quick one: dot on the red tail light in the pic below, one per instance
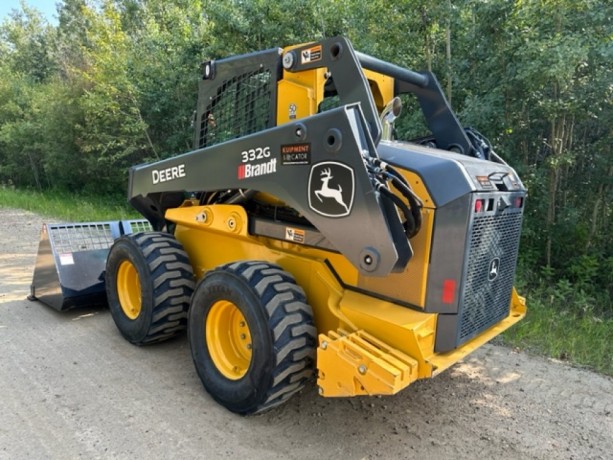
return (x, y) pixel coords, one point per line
(449, 291)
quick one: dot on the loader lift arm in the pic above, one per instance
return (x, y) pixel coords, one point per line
(345, 66)
(339, 142)
(341, 139)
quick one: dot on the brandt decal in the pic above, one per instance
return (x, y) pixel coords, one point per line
(245, 171)
(331, 189)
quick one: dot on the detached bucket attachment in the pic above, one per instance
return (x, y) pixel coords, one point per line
(71, 260)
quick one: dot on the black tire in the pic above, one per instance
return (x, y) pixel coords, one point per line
(159, 287)
(281, 330)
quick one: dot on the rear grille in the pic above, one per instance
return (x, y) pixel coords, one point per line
(484, 301)
(241, 106)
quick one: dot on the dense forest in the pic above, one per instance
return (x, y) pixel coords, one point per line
(114, 83)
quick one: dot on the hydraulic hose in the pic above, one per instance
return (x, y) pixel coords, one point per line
(409, 224)
(412, 212)
(414, 202)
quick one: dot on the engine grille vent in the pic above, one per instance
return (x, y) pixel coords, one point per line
(241, 106)
(490, 271)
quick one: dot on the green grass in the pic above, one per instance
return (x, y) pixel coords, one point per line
(68, 207)
(568, 321)
(554, 331)
(554, 328)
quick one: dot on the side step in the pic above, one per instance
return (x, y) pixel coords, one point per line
(352, 364)
(71, 260)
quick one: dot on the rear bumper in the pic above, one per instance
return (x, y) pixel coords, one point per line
(391, 348)
(442, 361)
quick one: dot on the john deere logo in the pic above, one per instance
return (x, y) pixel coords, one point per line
(493, 270)
(331, 189)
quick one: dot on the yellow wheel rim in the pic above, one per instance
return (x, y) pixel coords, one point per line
(228, 339)
(129, 289)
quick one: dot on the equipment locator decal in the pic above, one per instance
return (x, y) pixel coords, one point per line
(296, 154)
(331, 189)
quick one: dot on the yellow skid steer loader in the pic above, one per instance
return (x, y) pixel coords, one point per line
(300, 236)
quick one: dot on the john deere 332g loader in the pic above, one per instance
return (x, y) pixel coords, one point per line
(300, 238)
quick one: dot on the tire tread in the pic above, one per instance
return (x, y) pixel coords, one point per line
(291, 324)
(172, 283)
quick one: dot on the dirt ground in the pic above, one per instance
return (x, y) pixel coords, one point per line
(71, 387)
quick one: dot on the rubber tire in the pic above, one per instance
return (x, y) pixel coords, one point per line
(167, 283)
(282, 332)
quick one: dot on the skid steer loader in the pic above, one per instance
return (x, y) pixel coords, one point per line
(299, 235)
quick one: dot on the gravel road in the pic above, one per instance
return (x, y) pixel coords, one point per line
(71, 387)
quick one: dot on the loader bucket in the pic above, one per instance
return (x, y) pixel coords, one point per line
(71, 260)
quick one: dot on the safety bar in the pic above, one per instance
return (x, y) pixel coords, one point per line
(386, 68)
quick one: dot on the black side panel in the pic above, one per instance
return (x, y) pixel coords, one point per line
(447, 256)
(441, 172)
(349, 213)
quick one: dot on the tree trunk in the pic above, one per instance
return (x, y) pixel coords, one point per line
(560, 140)
(427, 44)
(35, 172)
(448, 52)
(598, 202)
(551, 211)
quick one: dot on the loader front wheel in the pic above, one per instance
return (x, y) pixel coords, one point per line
(149, 281)
(252, 336)
(129, 289)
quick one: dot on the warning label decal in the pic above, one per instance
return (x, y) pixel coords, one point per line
(294, 234)
(310, 54)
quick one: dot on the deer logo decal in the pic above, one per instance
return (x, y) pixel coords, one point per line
(331, 189)
(493, 269)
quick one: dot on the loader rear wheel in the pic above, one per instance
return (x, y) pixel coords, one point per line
(149, 281)
(252, 336)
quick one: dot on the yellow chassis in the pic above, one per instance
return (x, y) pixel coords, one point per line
(367, 346)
